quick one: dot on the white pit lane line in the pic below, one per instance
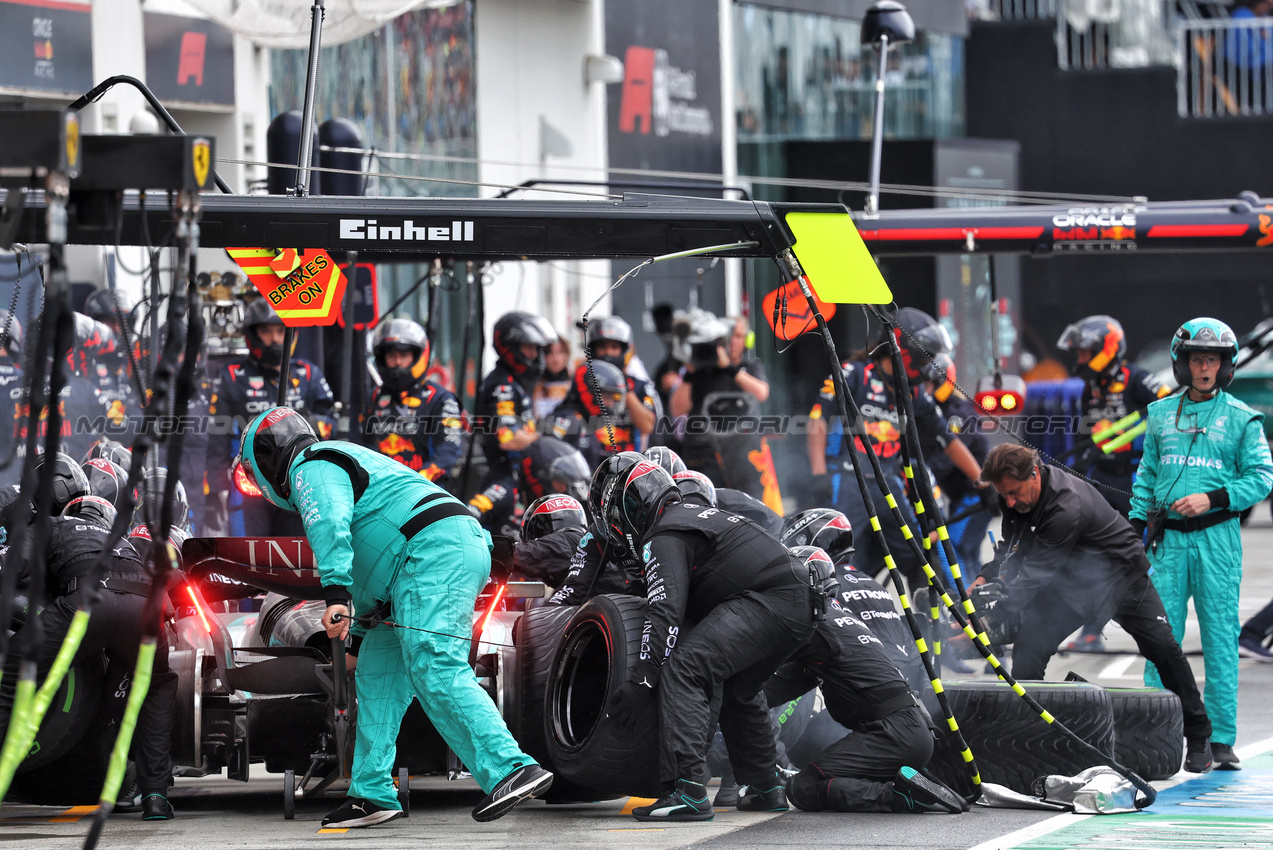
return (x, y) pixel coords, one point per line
(1068, 819)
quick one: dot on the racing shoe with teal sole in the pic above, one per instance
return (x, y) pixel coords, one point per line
(913, 792)
(688, 801)
(770, 800)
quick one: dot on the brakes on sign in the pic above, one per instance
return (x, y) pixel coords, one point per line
(304, 285)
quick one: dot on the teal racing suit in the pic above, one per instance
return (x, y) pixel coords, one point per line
(382, 533)
(1217, 447)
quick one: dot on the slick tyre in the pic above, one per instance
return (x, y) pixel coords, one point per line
(1148, 731)
(585, 745)
(1011, 743)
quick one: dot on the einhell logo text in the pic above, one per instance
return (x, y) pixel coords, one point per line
(658, 95)
(405, 231)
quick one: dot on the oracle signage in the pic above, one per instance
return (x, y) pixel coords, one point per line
(46, 45)
(189, 60)
(666, 114)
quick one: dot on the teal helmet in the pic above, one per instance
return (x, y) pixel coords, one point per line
(269, 445)
(1204, 334)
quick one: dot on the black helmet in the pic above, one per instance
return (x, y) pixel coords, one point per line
(401, 335)
(666, 458)
(102, 305)
(822, 578)
(269, 445)
(600, 377)
(1204, 334)
(551, 466)
(552, 513)
(612, 465)
(105, 479)
(514, 330)
(148, 499)
(825, 528)
(92, 509)
(258, 314)
(12, 342)
(921, 338)
(69, 482)
(113, 451)
(610, 329)
(633, 502)
(695, 487)
(1102, 338)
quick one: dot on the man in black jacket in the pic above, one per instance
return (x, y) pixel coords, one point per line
(75, 542)
(1068, 557)
(727, 604)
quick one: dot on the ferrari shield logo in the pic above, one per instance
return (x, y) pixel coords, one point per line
(72, 143)
(201, 157)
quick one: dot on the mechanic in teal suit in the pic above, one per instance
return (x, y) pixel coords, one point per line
(383, 534)
(1205, 461)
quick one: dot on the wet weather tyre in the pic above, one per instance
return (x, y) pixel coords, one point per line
(586, 746)
(1011, 743)
(1148, 731)
(289, 794)
(538, 635)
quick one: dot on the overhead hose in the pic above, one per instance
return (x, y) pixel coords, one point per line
(184, 329)
(968, 618)
(853, 431)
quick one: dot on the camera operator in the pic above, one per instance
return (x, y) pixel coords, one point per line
(711, 444)
(1067, 558)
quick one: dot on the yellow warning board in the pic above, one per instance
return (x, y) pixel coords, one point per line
(835, 259)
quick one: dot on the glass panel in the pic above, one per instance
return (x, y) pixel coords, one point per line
(805, 76)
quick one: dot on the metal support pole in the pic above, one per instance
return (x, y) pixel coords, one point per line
(347, 351)
(307, 114)
(285, 367)
(877, 132)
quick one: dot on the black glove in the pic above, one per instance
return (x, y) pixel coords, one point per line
(820, 491)
(635, 698)
(989, 499)
(501, 554)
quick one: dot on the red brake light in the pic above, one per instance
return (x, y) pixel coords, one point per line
(499, 594)
(194, 600)
(1003, 396)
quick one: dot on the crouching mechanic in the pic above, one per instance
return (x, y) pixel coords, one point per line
(1069, 558)
(386, 538)
(727, 604)
(875, 767)
(75, 542)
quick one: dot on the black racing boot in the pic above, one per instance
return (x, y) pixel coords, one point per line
(1225, 757)
(771, 799)
(1198, 756)
(726, 795)
(529, 780)
(687, 801)
(912, 792)
(156, 807)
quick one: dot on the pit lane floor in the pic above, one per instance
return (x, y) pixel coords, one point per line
(1220, 809)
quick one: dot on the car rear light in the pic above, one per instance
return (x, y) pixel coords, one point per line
(194, 600)
(499, 594)
(1001, 395)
